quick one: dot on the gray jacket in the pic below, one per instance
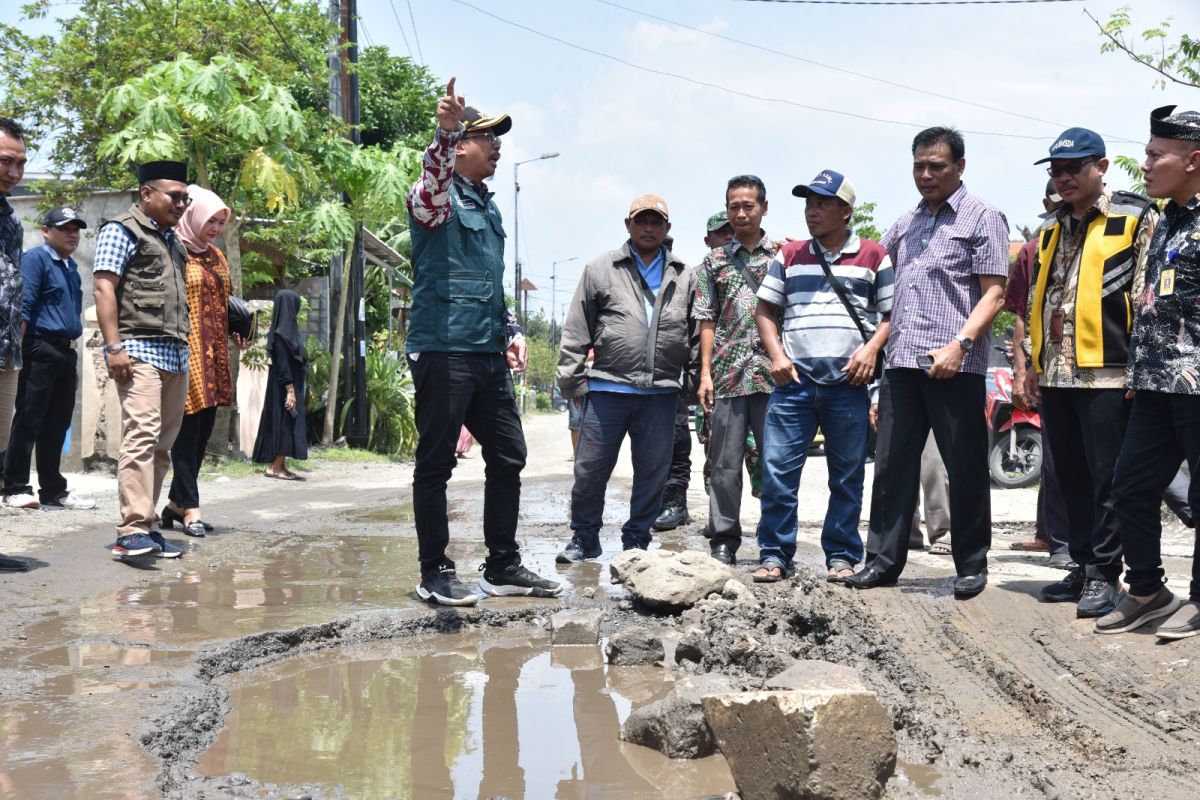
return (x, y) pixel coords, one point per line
(608, 313)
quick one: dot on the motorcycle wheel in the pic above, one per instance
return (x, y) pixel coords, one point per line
(1023, 470)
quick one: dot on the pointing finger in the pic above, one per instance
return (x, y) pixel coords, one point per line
(450, 87)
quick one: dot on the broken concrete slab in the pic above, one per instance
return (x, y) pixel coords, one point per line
(635, 646)
(576, 626)
(738, 592)
(668, 581)
(675, 725)
(812, 674)
(830, 744)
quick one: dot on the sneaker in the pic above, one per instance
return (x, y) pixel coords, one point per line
(166, 549)
(12, 565)
(1130, 614)
(1099, 598)
(69, 502)
(442, 586)
(672, 516)
(135, 544)
(1183, 623)
(516, 580)
(1061, 561)
(23, 500)
(578, 550)
(1068, 590)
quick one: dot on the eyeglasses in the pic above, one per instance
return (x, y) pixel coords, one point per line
(176, 198)
(487, 136)
(1071, 167)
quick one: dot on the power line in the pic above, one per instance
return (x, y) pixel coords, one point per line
(885, 81)
(400, 25)
(911, 2)
(287, 45)
(416, 35)
(726, 89)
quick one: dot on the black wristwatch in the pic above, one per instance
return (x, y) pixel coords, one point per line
(966, 342)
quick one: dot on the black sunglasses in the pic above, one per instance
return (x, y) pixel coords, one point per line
(1071, 167)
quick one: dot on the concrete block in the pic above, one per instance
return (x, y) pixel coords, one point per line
(575, 627)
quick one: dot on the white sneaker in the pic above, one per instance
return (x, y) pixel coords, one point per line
(71, 502)
(21, 501)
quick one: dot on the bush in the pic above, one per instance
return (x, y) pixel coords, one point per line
(542, 401)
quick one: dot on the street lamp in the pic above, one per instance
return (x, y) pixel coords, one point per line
(517, 226)
(554, 292)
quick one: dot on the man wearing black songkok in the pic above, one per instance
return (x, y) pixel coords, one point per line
(1164, 375)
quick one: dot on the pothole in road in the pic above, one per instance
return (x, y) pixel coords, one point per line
(457, 715)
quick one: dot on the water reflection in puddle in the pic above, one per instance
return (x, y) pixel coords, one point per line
(454, 717)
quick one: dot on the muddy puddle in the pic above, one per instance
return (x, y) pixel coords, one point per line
(456, 716)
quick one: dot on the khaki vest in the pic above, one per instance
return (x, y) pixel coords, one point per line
(152, 294)
(1103, 308)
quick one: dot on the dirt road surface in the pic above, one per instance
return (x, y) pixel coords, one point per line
(117, 678)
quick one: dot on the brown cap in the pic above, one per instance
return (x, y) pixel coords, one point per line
(648, 202)
(475, 120)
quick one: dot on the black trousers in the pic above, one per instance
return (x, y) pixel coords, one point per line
(187, 454)
(1086, 427)
(681, 456)
(1163, 429)
(45, 403)
(953, 409)
(475, 389)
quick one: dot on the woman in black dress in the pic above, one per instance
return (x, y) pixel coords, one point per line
(281, 430)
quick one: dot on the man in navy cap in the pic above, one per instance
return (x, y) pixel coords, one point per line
(1090, 263)
(51, 307)
(141, 305)
(1164, 371)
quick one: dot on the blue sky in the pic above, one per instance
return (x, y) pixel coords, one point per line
(622, 131)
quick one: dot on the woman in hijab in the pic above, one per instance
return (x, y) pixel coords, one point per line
(209, 381)
(281, 430)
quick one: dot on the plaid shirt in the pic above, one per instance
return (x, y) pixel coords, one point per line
(938, 259)
(114, 247)
(740, 365)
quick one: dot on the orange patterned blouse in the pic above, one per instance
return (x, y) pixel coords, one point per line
(208, 289)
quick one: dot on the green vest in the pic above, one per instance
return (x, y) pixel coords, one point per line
(152, 294)
(458, 272)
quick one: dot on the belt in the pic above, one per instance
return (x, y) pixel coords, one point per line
(61, 341)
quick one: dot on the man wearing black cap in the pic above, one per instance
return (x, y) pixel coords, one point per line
(1090, 263)
(460, 345)
(51, 309)
(1164, 371)
(141, 306)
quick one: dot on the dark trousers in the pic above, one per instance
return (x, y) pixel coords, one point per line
(1163, 429)
(1176, 498)
(1053, 526)
(607, 418)
(953, 409)
(45, 402)
(476, 390)
(681, 456)
(1085, 429)
(187, 454)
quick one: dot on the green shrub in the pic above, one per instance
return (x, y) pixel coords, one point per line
(542, 401)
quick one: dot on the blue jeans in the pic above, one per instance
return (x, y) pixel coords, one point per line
(795, 412)
(649, 419)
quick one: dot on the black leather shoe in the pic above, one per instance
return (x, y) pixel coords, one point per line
(969, 585)
(724, 553)
(672, 516)
(869, 578)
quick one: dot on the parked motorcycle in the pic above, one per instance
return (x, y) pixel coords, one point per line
(1015, 455)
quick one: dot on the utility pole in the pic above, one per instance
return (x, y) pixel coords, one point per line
(517, 229)
(554, 292)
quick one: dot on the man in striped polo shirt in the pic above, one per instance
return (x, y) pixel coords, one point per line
(951, 259)
(821, 369)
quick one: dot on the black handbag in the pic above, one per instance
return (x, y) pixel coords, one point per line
(242, 318)
(880, 358)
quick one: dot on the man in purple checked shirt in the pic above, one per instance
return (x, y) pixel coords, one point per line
(950, 255)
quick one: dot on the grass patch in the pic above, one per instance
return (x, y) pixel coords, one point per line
(234, 468)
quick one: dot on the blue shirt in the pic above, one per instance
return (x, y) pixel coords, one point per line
(52, 301)
(652, 274)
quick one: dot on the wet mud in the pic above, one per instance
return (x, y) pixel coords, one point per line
(287, 656)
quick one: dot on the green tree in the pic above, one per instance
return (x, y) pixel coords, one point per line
(542, 365)
(862, 222)
(1175, 61)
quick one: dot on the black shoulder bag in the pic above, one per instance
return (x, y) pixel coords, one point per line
(837, 289)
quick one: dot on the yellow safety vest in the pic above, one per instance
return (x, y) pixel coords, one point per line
(1103, 308)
